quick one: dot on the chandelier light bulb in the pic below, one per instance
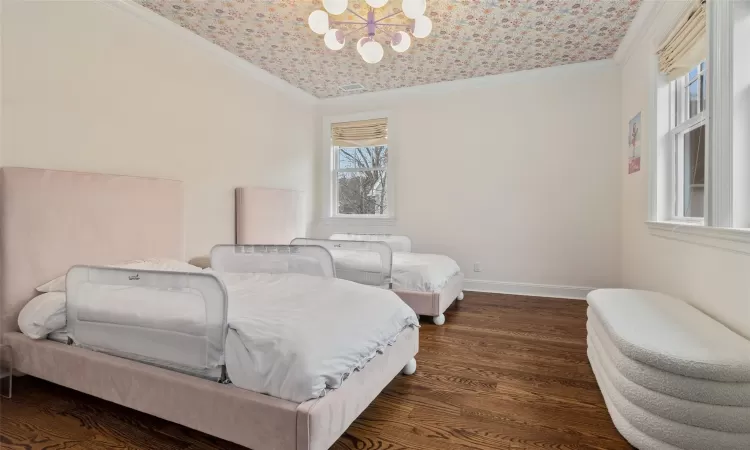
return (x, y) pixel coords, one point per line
(376, 3)
(414, 8)
(334, 39)
(372, 52)
(318, 21)
(360, 43)
(422, 27)
(401, 41)
(335, 7)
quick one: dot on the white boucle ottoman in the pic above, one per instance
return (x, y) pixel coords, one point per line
(672, 377)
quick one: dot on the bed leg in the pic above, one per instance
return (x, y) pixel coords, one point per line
(439, 320)
(410, 367)
(224, 378)
(460, 296)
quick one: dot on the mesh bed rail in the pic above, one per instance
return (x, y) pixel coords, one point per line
(364, 262)
(175, 320)
(397, 242)
(308, 260)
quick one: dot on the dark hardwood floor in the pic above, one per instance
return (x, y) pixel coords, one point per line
(504, 372)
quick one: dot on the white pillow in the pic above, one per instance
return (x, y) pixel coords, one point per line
(44, 314)
(58, 284)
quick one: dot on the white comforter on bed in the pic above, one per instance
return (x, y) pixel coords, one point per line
(303, 335)
(423, 272)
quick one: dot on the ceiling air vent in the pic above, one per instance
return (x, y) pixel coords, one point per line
(353, 87)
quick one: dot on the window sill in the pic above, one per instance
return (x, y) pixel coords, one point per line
(359, 220)
(731, 239)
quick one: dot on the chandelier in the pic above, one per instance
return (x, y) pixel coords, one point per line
(371, 50)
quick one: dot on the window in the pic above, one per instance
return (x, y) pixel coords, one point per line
(359, 181)
(699, 173)
(361, 176)
(687, 137)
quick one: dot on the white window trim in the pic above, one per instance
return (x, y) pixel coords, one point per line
(328, 214)
(732, 239)
(721, 110)
(718, 231)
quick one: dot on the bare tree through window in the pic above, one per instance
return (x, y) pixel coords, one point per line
(361, 180)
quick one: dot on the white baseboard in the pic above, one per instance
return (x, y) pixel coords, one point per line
(536, 290)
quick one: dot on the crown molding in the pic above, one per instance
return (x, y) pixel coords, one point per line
(472, 83)
(642, 22)
(223, 55)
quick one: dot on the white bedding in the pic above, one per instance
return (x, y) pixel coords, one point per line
(304, 335)
(291, 336)
(421, 272)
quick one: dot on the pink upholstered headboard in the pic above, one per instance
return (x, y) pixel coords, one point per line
(267, 216)
(51, 220)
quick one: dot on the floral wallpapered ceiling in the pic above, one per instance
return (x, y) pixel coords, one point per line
(470, 38)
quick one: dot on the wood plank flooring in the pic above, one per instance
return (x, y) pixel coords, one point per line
(504, 372)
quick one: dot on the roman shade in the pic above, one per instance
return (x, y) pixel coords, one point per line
(687, 45)
(361, 133)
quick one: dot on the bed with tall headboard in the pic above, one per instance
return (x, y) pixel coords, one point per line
(51, 220)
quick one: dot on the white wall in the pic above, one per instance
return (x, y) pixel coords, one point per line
(716, 281)
(93, 87)
(519, 172)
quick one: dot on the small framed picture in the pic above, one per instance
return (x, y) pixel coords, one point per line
(634, 144)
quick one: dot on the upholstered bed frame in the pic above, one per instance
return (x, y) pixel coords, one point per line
(51, 220)
(434, 303)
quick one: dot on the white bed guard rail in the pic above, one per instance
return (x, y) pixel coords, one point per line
(364, 262)
(310, 260)
(174, 320)
(397, 243)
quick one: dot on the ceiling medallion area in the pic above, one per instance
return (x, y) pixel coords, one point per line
(399, 34)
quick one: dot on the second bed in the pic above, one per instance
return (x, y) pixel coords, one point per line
(428, 283)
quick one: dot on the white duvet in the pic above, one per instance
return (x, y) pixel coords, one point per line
(304, 335)
(422, 272)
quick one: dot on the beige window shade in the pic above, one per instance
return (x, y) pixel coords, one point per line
(361, 133)
(687, 45)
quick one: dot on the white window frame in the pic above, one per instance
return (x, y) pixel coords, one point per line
(718, 229)
(679, 126)
(329, 185)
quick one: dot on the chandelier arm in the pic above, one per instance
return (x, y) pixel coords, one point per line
(355, 30)
(337, 22)
(388, 17)
(353, 12)
(393, 25)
